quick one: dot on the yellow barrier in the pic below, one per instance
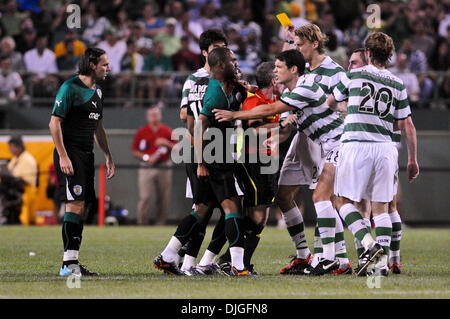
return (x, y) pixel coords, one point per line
(34, 199)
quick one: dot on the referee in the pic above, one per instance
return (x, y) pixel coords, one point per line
(76, 119)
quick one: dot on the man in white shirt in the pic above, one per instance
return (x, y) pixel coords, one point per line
(11, 84)
(114, 48)
(42, 61)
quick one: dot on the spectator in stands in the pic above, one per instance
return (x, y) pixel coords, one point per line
(247, 58)
(440, 59)
(417, 59)
(131, 63)
(42, 61)
(11, 18)
(123, 24)
(296, 18)
(152, 146)
(71, 36)
(336, 52)
(11, 84)
(191, 29)
(327, 25)
(233, 36)
(409, 79)
(153, 24)
(114, 47)
(95, 26)
(68, 62)
(250, 30)
(26, 40)
(422, 41)
(275, 47)
(7, 47)
(143, 44)
(209, 18)
(197, 9)
(357, 32)
(397, 25)
(157, 62)
(172, 41)
(24, 166)
(185, 59)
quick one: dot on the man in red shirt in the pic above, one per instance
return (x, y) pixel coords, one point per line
(152, 145)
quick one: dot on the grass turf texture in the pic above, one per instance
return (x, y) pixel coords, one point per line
(123, 256)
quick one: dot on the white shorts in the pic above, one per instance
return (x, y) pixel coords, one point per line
(366, 171)
(329, 154)
(301, 164)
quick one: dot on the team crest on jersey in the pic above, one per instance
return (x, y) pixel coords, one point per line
(317, 78)
(99, 92)
(77, 189)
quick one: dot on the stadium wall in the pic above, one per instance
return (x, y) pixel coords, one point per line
(425, 201)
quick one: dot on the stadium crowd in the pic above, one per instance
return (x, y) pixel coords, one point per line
(38, 51)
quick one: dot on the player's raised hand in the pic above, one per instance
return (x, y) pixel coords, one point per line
(413, 171)
(223, 115)
(289, 33)
(66, 165)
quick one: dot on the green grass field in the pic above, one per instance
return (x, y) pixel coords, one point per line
(123, 256)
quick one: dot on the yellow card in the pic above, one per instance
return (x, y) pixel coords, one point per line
(284, 20)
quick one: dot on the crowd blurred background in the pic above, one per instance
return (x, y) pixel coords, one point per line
(152, 45)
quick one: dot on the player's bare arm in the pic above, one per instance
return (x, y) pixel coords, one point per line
(56, 131)
(183, 114)
(409, 130)
(200, 127)
(255, 113)
(100, 138)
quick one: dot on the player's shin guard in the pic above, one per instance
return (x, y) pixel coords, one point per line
(356, 225)
(187, 228)
(394, 252)
(339, 242)
(234, 232)
(383, 232)
(326, 223)
(252, 238)
(296, 229)
(218, 238)
(71, 234)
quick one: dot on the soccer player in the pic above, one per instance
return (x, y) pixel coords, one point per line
(220, 171)
(259, 189)
(377, 107)
(75, 121)
(320, 124)
(302, 163)
(209, 40)
(358, 60)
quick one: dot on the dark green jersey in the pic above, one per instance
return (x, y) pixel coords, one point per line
(81, 108)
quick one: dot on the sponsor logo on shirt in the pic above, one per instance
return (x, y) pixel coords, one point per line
(94, 116)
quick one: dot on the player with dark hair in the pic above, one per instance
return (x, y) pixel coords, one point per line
(76, 120)
(323, 126)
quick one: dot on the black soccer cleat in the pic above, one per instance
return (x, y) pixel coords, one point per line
(325, 266)
(384, 272)
(86, 272)
(251, 270)
(297, 266)
(368, 257)
(168, 268)
(225, 268)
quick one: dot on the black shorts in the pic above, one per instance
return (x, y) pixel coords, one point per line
(201, 190)
(259, 189)
(80, 186)
(222, 182)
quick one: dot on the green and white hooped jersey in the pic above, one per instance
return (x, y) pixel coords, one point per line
(327, 75)
(190, 81)
(315, 118)
(376, 99)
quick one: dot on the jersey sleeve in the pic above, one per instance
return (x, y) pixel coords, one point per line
(63, 101)
(341, 90)
(214, 99)
(185, 92)
(298, 98)
(401, 105)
